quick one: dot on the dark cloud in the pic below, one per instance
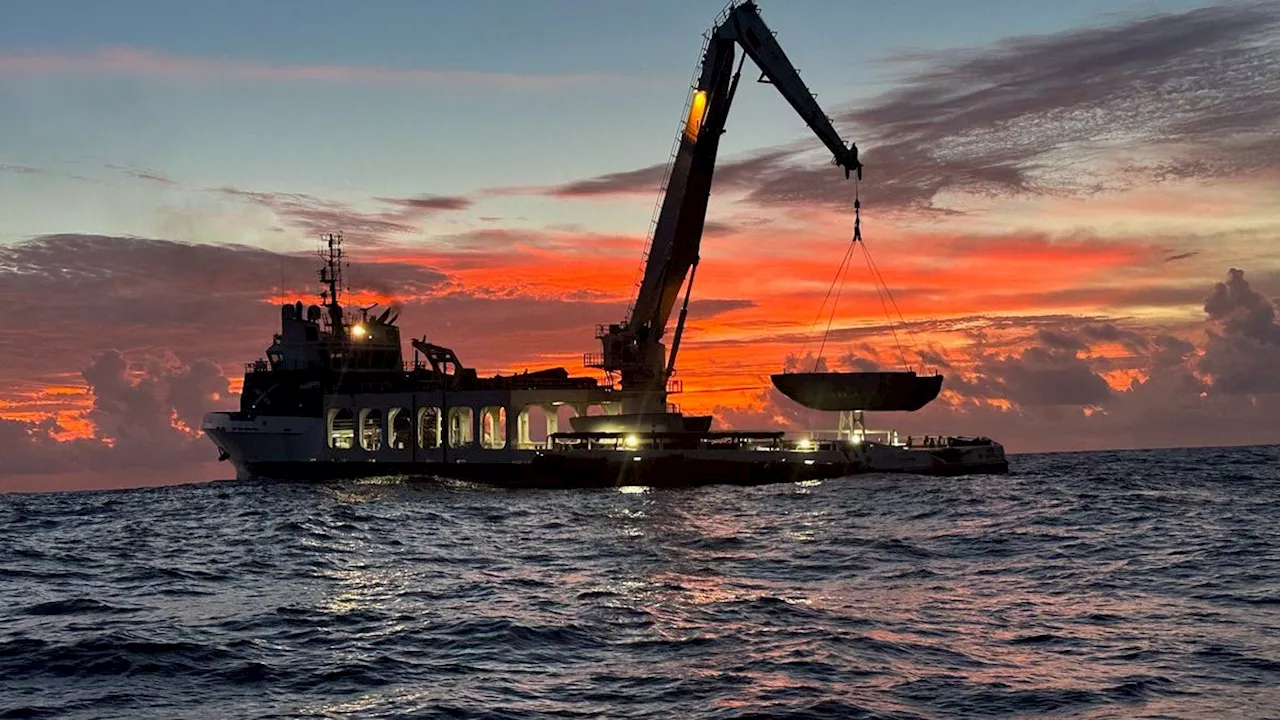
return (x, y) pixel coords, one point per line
(29, 170)
(1240, 310)
(1182, 256)
(1192, 94)
(1170, 352)
(317, 216)
(1047, 376)
(155, 329)
(1111, 332)
(151, 176)
(717, 228)
(138, 413)
(1051, 395)
(729, 174)
(842, 337)
(645, 180)
(808, 362)
(429, 202)
(86, 294)
(1198, 87)
(145, 414)
(1054, 340)
(1242, 354)
(703, 309)
(31, 448)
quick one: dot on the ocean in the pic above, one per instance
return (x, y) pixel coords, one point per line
(1108, 584)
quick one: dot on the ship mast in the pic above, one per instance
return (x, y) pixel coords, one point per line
(331, 277)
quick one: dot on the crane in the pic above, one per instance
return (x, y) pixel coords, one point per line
(633, 351)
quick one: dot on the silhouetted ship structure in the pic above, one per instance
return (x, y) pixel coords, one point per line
(334, 398)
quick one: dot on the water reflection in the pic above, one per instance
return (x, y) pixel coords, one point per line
(872, 593)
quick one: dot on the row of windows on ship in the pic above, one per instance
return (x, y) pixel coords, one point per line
(370, 429)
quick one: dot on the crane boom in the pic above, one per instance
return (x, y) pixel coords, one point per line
(634, 348)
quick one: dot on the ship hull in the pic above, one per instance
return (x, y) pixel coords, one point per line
(292, 449)
(684, 473)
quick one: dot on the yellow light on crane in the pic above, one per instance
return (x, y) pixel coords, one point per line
(358, 331)
(697, 110)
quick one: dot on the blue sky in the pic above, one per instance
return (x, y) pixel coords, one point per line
(354, 140)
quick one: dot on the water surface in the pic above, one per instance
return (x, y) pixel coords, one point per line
(1125, 584)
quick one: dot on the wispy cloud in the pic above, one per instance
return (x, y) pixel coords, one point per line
(429, 203)
(1196, 91)
(152, 176)
(146, 63)
(318, 215)
(1173, 96)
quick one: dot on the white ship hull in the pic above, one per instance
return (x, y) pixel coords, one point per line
(247, 444)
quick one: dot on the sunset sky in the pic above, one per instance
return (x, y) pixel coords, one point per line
(1075, 205)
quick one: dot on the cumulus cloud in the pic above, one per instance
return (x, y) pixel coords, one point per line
(32, 448)
(93, 304)
(152, 415)
(1242, 355)
(1048, 389)
(1047, 376)
(1111, 332)
(145, 414)
(83, 295)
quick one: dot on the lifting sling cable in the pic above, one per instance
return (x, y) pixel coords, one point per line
(877, 279)
(857, 235)
(840, 271)
(834, 303)
(905, 325)
(870, 269)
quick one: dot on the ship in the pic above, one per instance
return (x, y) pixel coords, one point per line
(335, 398)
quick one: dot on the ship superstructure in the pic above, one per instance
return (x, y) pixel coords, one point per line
(334, 398)
(334, 388)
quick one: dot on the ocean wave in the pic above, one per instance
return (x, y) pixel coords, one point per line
(1110, 584)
